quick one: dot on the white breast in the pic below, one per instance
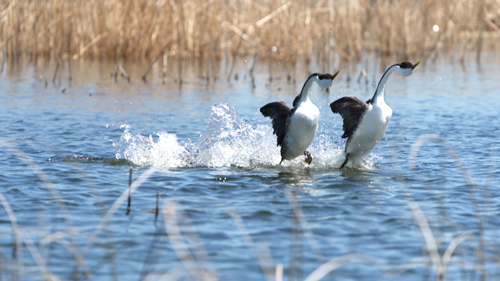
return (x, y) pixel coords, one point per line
(370, 131)
(302, 128)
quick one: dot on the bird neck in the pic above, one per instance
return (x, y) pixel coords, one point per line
(378, 97)
(306, 90)
(304, 93)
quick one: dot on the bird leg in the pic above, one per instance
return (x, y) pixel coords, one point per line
(345, 162)
(309, 157)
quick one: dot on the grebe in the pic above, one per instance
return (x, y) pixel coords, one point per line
(365, 122)
(296, 127)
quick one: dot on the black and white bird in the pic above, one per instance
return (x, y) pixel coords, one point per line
(365, 122)
(296, 127)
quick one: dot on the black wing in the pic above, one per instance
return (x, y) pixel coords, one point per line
(279, 112)
(351, 109)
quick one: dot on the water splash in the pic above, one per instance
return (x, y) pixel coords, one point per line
(144, 151)
(228, 141)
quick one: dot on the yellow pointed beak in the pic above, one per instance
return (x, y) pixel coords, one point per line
(335, 75)
(415, 65)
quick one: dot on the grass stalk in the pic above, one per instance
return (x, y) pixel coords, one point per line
(470, 187)
(143, 77)
(43, 178)
(123, 73)
(116, 205)
(157, 211)
(193, 259)
(430, 241)
(233, 62)
(264, 258)
(299, 215)
(17, 236)
(129, 191)
(55, 74)
(335, 263)
(57, 238)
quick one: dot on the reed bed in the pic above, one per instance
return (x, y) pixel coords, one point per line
(117, 30)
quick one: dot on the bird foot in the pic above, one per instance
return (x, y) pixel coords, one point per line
(309, 157)
(345, 162)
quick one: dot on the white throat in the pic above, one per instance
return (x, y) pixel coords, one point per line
(306, 89)
(378, 97)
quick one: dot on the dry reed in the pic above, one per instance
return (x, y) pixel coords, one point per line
(116, 30)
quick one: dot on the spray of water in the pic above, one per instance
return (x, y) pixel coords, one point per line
(144, 151)
(227, 141)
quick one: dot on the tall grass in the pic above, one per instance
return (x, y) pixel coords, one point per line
(207, 29)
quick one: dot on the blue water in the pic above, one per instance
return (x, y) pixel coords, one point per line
(228, 210)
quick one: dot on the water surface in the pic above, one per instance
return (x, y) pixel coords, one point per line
(229, 211)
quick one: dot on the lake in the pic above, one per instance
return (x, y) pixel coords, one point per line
(425, 204)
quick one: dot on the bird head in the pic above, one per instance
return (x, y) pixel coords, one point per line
(406, 68)
(326, 80)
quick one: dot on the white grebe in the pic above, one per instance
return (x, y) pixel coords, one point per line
(365, 122)
(296, 127)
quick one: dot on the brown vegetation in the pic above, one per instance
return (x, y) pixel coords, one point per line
(208, 29)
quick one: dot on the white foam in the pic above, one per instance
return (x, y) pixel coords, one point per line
(144, 151)
(228, 141)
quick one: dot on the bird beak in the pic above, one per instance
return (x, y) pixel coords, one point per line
(335, 75)
(415, 65)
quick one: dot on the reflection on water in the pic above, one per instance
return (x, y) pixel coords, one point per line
(296, 177)
(214, 151)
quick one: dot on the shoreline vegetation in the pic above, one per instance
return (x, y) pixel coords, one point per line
(209, 31)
